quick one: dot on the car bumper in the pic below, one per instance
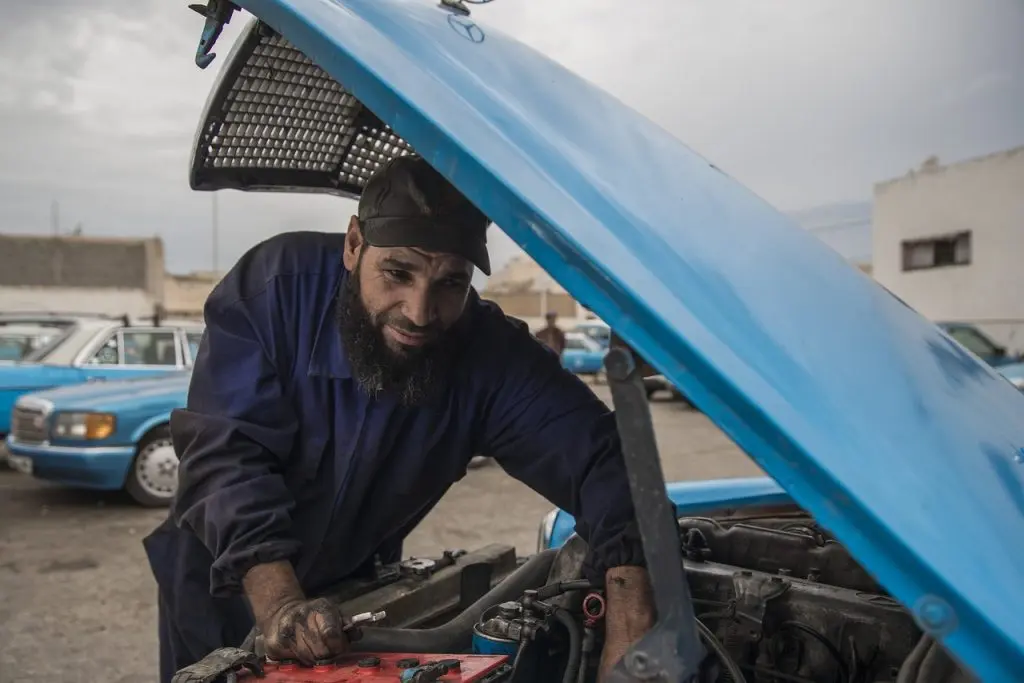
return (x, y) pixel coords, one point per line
(98, 467)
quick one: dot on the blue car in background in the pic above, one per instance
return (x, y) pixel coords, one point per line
(978, 343)
(583, 355)
(102, 435)
(597, 331)
(1013, 372)
(89, 348)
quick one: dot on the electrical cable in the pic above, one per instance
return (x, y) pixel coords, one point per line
(732, 668)
(844, 670)
(553, 589)
(574, 662)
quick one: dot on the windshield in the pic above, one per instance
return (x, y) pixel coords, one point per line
(29, 341)
(974, 341)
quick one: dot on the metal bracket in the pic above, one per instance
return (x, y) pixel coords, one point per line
(671, 651)
(218, 15)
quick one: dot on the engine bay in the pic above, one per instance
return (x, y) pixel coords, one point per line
(781, 600)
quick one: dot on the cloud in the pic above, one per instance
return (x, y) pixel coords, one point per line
(808, 102)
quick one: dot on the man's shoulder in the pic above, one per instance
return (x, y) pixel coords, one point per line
(282, 257)
(505, 338)
(298, 252)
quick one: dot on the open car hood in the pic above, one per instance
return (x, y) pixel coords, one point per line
(908, 449)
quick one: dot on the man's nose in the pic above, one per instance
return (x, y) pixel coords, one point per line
(419, 308)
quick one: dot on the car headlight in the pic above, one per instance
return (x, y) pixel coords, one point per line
(547, 525)
(90, 426)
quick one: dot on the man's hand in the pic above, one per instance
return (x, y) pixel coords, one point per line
(293, 627)
(630, 614)
(306, 630)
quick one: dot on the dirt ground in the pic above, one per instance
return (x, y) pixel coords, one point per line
(78, 603)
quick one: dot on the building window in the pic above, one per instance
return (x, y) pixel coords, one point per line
(936, 252)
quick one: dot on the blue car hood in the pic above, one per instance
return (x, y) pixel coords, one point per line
(28, 376)
(109, 395)
(909, 450)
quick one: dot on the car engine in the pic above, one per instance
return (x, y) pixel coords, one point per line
(781, 600)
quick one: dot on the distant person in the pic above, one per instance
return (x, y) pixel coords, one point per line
(551, 334)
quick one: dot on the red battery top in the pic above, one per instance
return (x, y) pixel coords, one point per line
(385, 667)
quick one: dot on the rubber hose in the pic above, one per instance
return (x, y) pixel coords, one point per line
(456, 635)
(574, 663)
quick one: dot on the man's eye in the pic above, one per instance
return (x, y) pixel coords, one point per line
(397, 275)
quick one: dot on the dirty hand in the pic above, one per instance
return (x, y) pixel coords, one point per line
(305, 630)
(629, 617)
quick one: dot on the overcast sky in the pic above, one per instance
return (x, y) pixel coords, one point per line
(807, 102)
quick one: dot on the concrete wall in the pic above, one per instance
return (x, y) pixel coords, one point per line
(185, 295)
(984, 196)
(81, 274)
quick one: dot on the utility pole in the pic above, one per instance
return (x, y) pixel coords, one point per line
(214, 231)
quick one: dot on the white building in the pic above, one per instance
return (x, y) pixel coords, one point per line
(949, 240)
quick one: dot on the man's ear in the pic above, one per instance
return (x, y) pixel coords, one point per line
(353, 244)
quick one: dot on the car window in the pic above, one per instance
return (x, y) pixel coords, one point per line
(193, 339)
(22, 340)
(149, 347)
(106, 354)
(12, 347)
(973, 340)
(574, 343)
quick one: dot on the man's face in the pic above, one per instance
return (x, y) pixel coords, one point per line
(397, 314)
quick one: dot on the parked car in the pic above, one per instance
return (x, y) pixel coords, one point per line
(25, 334)
(582, 355)
(91, 348)
(897, 557)
(1013, 372)
(102, 435)
(659, 383)
(978, 343)
(597, 331)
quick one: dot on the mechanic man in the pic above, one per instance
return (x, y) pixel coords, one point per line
(343, 383)
(551, 334)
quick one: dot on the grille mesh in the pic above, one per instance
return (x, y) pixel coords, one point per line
(278, 121)
(28, 425)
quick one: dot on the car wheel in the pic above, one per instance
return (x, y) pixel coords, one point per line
(153, 478)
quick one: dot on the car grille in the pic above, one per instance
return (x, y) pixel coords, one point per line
(28, 425)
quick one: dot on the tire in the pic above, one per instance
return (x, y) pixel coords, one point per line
(153, 477)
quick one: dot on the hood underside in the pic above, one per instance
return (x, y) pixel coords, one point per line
(908, 448)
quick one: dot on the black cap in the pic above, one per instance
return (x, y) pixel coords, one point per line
(408, 204)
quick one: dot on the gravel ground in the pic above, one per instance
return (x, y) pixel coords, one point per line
(78, 603)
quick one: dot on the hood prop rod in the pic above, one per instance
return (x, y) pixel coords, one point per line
(671, 651)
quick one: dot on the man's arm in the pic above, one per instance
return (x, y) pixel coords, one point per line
(234, 437)
(549, 430)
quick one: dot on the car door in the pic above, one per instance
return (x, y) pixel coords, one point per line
(135, 352)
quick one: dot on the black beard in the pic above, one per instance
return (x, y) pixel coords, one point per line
(416, 376)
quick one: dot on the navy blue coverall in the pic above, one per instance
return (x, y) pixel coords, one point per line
(284, 456)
